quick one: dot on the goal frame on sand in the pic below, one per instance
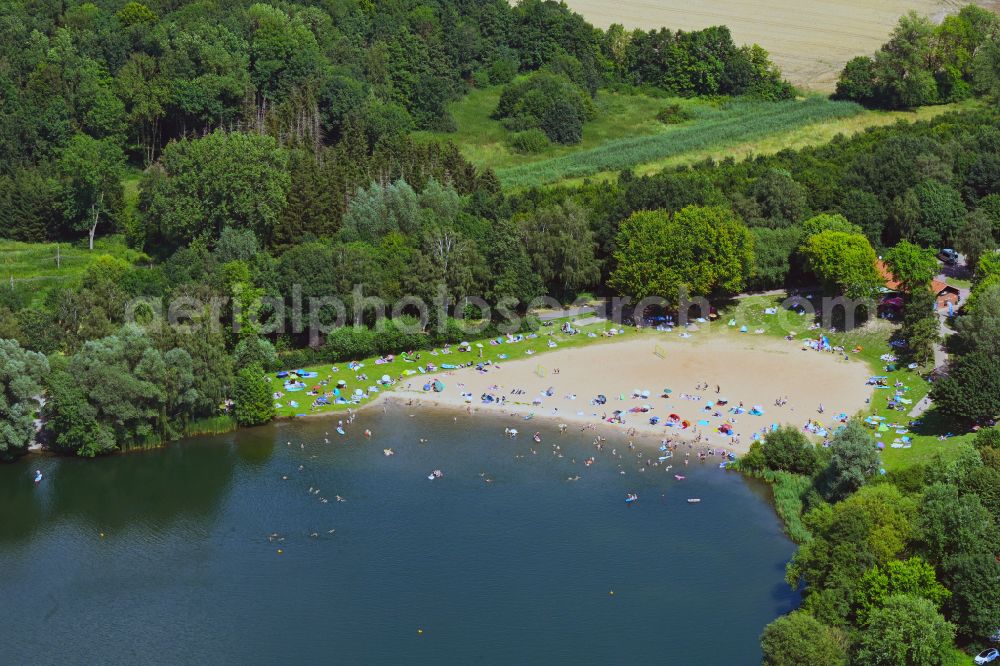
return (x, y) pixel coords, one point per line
(659, 350)
(540, 370)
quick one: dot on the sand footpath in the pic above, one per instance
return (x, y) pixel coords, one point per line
(753, 370)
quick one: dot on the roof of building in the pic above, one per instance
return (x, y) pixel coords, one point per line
(892, 284)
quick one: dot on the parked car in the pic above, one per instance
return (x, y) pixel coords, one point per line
(986, 656)
(948, 256)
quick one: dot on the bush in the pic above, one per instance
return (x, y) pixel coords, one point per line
(254, 350)
(481, 78)
(350, 342)
(547, 101)
(674, 114)
(501, 72)
(391, 338)
(530, 141)
(987, 438)
(907, 630)
(799, 638)
(788, 450)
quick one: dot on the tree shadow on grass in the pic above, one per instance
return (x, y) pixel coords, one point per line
(935, 423)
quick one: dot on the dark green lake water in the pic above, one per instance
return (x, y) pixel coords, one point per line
(515, 571)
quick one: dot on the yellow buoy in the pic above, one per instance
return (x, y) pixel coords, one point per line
(280, 551)
(420, 631)
(612, 593)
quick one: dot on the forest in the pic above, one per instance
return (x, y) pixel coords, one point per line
(258, 153)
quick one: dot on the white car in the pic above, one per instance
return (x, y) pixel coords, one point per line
(986, 656)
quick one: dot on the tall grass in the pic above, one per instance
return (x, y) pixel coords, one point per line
(732, 123)
(39, 267)
(788, 491)
(211, 425)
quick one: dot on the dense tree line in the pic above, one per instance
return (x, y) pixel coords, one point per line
(932, 184)
(89, 89)
(894, 567)
(923, 63)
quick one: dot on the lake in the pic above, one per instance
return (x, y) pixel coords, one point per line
(169, 557)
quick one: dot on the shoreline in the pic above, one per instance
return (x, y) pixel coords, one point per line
(646, 363)
(538, 397)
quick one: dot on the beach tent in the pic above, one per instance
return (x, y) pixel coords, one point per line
(438, 386)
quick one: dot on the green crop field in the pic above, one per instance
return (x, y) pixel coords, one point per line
(712, 128)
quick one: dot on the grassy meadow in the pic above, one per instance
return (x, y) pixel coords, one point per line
(36, 268)
(626, 134)
(713, 127)
(483, 141)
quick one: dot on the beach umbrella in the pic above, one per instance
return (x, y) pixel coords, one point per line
(463, 344)
(358, 392)
(668, 391)
(385, 378)
(479, 344)
(645, 393)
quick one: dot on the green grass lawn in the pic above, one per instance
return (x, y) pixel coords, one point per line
(40, 267)
(960, 283)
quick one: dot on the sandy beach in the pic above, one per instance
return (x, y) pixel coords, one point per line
(754, 371)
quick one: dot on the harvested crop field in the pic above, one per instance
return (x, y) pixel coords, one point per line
(809, 40)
